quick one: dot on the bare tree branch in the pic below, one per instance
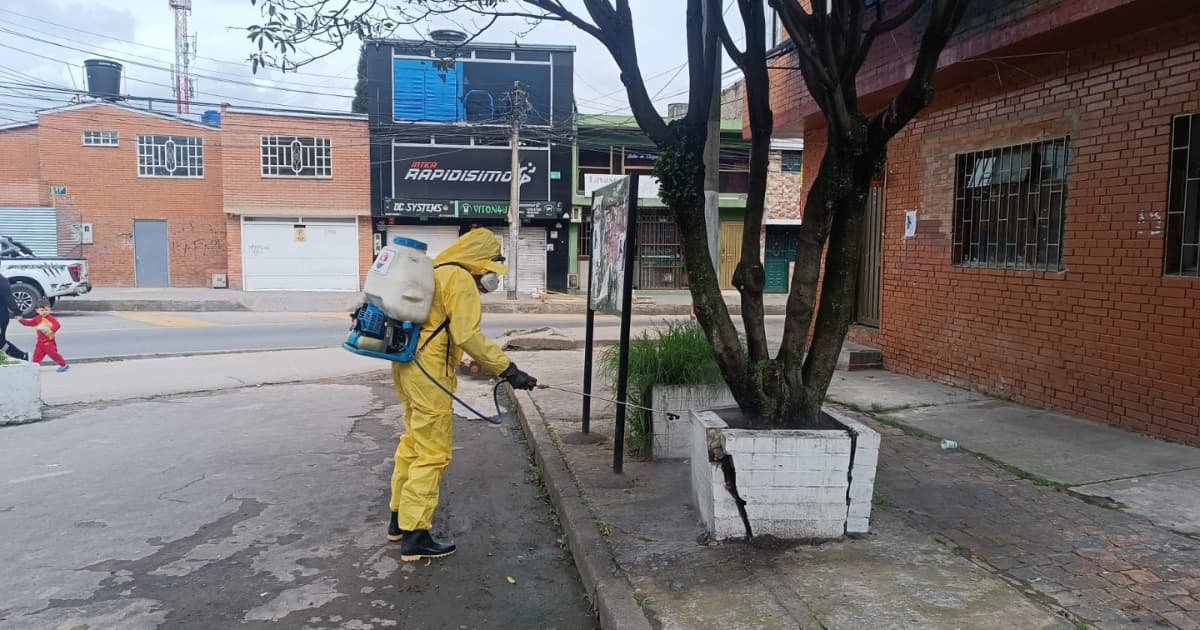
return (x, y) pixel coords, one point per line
(731, 48)
(879, 27)
(918, 90)
(749, 277)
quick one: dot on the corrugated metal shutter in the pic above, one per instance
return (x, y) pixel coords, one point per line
(531, 260)
(37, 228)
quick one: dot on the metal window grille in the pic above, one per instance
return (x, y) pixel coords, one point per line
(170, 156)
(791, 161)
(585, 233)
(660, 256)
(296, 156)
(1183, 199)
(1010, 206)
(101, 138)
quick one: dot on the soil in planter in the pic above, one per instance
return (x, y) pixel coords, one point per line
(737, 418)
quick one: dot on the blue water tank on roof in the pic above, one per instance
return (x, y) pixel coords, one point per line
(211, 117)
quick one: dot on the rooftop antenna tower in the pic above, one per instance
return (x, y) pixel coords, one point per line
(184, 53)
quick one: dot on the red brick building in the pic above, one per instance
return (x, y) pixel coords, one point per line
(1055, 182)
(255, 200)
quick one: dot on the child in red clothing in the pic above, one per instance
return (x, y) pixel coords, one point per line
(47, 329)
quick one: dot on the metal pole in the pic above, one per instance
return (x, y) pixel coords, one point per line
(712, 152)
(587, 365)
(626, 315)
(514, 192)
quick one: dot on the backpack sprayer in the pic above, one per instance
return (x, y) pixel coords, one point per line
(397, 297)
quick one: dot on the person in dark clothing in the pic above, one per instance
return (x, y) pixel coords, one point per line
(8, 310)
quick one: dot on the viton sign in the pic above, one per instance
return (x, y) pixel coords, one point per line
(438, 172)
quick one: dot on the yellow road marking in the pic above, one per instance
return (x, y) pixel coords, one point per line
(166, 320)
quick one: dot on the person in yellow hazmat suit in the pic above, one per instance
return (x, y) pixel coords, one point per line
(469, 266)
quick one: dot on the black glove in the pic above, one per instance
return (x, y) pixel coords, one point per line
(517, 378)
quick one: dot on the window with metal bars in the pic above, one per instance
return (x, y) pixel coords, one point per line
(1183, 198)
(585, 233)
(791, 161)
(170, 156)
(296, 156)
(1010, 206)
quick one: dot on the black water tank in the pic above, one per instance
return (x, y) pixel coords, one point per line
(103, 78)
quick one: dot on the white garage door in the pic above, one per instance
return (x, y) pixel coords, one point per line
(437, 237)
(300, 254)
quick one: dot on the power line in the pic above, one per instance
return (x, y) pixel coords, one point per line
(160, 67)
(168, 86)
(151, 47)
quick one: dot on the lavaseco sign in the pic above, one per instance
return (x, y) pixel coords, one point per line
(472, 173)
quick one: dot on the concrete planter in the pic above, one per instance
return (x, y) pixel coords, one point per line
(796, 483)
(673, 438)
(20, 391)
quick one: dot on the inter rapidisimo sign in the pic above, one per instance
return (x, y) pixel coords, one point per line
(473, 173)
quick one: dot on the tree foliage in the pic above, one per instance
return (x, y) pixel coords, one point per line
(832, 40)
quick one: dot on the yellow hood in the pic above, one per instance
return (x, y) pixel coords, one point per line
(475, 251)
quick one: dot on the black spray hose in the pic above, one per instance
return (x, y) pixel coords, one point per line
(495, 396)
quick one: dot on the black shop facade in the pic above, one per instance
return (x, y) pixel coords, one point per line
(439, 190)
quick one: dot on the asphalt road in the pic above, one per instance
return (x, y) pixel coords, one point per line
(267, 508)
(88, 335)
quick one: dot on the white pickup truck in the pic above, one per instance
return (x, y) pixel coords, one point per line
(34, 277)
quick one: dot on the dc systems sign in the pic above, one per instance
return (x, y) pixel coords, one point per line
(431, 171)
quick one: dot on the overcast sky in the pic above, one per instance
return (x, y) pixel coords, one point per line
(141, 35)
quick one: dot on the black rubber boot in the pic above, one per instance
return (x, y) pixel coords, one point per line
(418, 544)
(395, 534)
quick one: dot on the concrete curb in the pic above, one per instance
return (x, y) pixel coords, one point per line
(606, 584)
(172, 355)
(157, 306)
(216, 306)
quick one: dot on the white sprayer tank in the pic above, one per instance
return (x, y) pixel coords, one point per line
(400, 282)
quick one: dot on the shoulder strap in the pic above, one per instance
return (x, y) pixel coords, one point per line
(436, 331)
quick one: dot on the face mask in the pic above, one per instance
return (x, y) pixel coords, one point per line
(488, 282)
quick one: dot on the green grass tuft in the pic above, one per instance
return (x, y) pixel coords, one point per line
(677, 353)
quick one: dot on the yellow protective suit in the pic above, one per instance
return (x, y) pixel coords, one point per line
(424, 449)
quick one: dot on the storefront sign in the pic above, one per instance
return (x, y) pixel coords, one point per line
(470, 209)
(426, 209)
(470, 173)
(499, 209)
(647, 185)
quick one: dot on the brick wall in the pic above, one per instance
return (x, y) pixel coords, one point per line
(1110, 338)
(997, 29)
(103, 184)
(732, 100)
(202, 214)
(20, 175)
(783, 190)
(247, 191)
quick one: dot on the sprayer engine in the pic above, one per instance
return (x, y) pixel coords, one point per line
(378, 336)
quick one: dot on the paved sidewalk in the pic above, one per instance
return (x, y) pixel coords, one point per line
(201, 300)
(1110, 553)
(146, 378)
(1019, 505)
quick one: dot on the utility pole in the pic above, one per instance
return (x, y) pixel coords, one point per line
(712, 148)
(514, 191)
(183, 55)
